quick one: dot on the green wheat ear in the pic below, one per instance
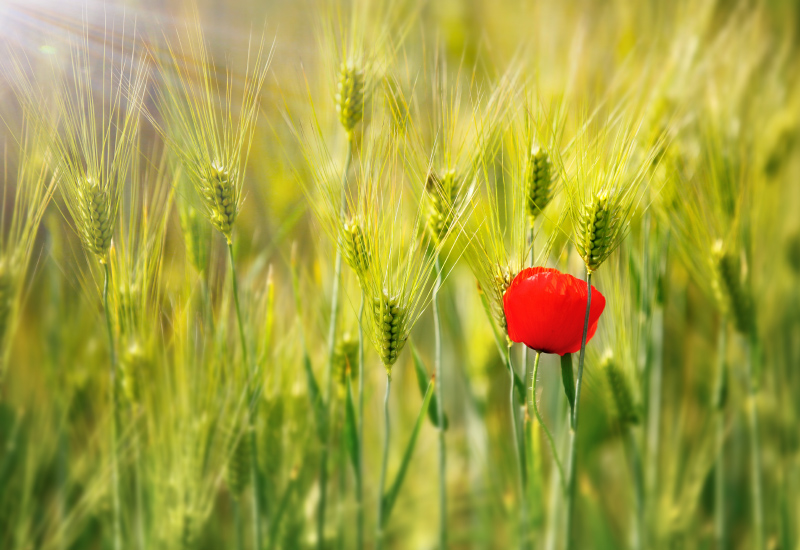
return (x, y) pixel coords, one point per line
(96, 221)
(599, 227)
(356, 247)
(196, 236)
(133, 364)
(621, 389)
(237, 471)
(502, 280)
(735, 296)
(350, 96)
(442, 195)
(345, 362)
(389, 317)
(220, 197)
(538, 181)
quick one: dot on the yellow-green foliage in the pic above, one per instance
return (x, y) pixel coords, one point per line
(652, 144)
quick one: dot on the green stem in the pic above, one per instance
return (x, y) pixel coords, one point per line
(519, 453)
(573, 440)
(638, 483)
(251, 411)
(360, 472)
(337, 276)
(243, 340)
(140, 535)
(525, 348)
(384, 463)
(527, 373)
(237, 522)
(553, 447)
(437, 324)
(115, 485)
(653, 377)
(755, 448)
(720, 526)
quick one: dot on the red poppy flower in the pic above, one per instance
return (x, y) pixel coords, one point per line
(545, 310)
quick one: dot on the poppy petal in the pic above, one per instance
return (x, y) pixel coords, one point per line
(545, 309)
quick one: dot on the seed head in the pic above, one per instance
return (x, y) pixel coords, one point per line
(96, 222)
(502, 280)
(221, 198)
(196, 236)
(442, 198)
(733, 293)
(184, 527)
(621, 390)
(237, 473)
(128, 296)
(133, 364)
(350, 96)
(389, 318)
(598, 228)
(345, 362)
(355, 247)
(538, 181)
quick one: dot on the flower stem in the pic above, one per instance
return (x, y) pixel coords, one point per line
(437, 324)
(553, 447)
(337, 277)
(573, 440)
(519, 452)
(384, 463)
(113, 379)
(251, 411)
(360, 472)
(755, 446)
(720, 526)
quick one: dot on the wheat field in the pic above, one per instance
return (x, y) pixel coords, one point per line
(468, 274)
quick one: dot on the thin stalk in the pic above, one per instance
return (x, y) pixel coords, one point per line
(573, 439)
(251, 412)
(384, 463)
(527, 422)
(556, 488)
(755, 447)
(140, 536)
(337, 277)
(113, 379)
(720, 525)
(553, 447)
(525, 348)
(360, 472)
(437, 324)
(523, 501)
(635, 458)
(653, 377)
(237, 521)
(242, 338)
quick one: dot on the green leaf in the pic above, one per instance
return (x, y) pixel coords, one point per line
(391, 495)
(569, 382)
(316, 398)
(422, 381)
(350, 431)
